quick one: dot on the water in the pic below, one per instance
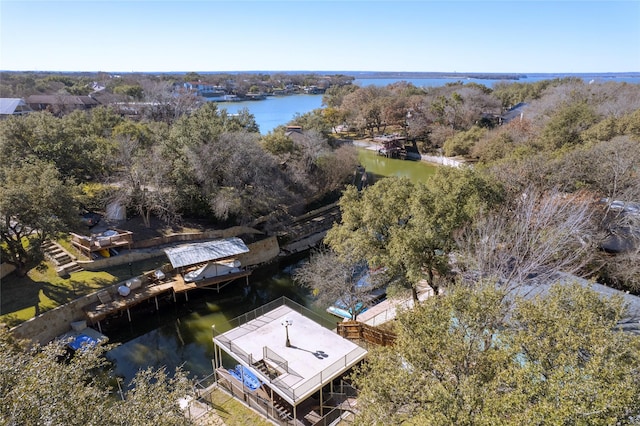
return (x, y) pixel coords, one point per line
(275, 110)
(180, 334)
(382, 166)
(532, 78)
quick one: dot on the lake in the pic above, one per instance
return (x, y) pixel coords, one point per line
(275, 111)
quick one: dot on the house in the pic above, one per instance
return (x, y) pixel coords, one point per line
(204, 89)
(13, 106)
(61, 104)
(283, 362)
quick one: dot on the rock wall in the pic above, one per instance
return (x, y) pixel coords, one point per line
(47, 326)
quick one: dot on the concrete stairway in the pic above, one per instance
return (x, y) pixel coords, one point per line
(64, 262)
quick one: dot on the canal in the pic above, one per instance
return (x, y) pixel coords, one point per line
(180, 334)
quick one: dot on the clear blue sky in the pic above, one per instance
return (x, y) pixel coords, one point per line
(356, 35)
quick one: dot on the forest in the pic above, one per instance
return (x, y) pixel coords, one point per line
(182, 158)
(553, 189)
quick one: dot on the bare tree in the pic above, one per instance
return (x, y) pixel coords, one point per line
(540, 235)
(335, 280)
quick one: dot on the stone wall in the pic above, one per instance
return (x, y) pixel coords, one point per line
(445, 161)
(47, 326)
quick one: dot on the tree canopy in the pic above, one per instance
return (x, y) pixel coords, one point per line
(45, 385)
(35, 204)
(482, 357)
(410, 228)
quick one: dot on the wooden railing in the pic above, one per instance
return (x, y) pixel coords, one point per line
(354, 330)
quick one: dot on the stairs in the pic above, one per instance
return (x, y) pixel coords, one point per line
(64, 262)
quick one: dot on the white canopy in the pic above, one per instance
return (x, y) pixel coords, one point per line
(195, 253)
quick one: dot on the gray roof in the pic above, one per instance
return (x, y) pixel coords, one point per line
(9, 106)
(62, 100)
(195, 253)
(630, 322)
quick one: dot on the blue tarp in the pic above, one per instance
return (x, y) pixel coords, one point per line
(82, 340)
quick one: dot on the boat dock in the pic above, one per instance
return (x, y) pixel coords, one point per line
(151, 287)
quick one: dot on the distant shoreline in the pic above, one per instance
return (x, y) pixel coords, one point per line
(364, 75)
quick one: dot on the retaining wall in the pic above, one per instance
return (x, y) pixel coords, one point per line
(48, 325)
(445, 161)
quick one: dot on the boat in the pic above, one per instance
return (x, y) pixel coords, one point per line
(212, 269)
(367, 299)
(244, 375)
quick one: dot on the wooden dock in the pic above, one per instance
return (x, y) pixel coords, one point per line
(111, 304)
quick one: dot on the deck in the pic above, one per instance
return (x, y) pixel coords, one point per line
(111, 304)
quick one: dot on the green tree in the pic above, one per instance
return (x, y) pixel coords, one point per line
(35, 205)
(477, 357)
(565, 127)
(410, 229)
(44, 385)
(463, 142)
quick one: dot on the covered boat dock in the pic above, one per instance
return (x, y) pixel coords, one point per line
(184, 259)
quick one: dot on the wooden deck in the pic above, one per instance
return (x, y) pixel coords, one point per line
(180, 286)
(100, 310)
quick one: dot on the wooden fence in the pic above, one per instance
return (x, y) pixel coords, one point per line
(354, 330)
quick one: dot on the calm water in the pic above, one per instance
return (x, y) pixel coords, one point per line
(382, 166)
(275, 110)
(180, 334)
(438, 82)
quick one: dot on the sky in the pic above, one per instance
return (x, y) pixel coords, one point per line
(517, 36)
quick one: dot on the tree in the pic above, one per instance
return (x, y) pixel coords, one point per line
(410, 229)
(478, 357)
(332, 279)
(535, 236)
(45, 385)
(35, 205)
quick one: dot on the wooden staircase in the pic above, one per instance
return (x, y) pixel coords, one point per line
(64, 262)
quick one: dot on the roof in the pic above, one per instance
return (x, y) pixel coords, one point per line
(514, 112)
(316, 356)
(9, 106)
(62, 100)
(195, 253)
(631, 320)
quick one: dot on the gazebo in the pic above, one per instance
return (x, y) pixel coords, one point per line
(283, 362)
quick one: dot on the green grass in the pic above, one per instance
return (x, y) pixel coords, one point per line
(233, 412)
(22, 298)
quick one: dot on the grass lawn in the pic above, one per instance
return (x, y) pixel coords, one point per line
(22, 298)
(233, 412)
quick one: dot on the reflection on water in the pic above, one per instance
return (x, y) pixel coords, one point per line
(180, 333)
(379, 165)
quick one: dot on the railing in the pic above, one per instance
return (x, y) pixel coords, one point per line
(311, 383)
(282, 301)
(270, 355)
